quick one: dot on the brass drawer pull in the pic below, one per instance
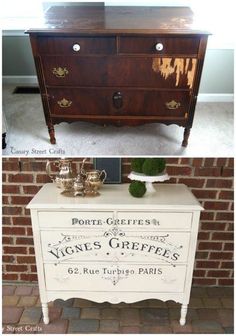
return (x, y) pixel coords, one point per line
(76, 47)
(60, 72)
(64, 102)
(159, 46)
(172, 105)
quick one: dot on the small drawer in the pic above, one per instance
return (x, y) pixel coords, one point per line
(75, 220)
(114, 244)
(155, 220)
(115, 277)
(76, 45)
(159, 45)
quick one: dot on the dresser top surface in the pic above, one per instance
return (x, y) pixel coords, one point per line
(167, 197)
(118, 19)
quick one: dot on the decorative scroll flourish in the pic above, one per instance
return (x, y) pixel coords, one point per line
(115, 231)
(64, 102)
(60, 72)
(176, 66)
(67, 238)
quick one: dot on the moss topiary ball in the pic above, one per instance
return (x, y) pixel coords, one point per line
(137, 188)
(136, 164)
(153, 166)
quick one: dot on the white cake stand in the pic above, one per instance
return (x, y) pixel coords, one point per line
(149, 179)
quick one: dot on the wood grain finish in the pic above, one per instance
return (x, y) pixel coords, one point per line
(103, 64)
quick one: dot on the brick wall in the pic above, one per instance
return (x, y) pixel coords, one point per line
(210, 179)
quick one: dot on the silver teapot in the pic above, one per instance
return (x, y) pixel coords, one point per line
(65, 177)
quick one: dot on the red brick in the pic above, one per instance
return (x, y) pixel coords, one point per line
(29, 231)
(43, 178)
(197, 162)
(10, 276)
(222, 236)
(228, 172)
(226, 194)
(204, 193)
(5, 200)
(24, 241)
(20, 199)
(209, 162)
(179, 170)
(228, 247)
(172, 161)
(14, 250)
(228, 216)
(220, 162)
(209, 246)
(219, 183)
(21, 220)
(7, 210)
(216, 226)
(199, 273)
(4, 177)
(201, 255)
(10, 166)
(13, 230)
(192, 182)
(185, 161)
(221, 255)
(7, 240)
(31, 189)
(208, 171)
(203, 235)
(28, 277)
(25, 178)
(216, 205)
(207, 264)
(10, 189)
(8, 259)
(33, 268)
(16, 268)
(227, 264)
(226, 282)
(33, 166)
(207, 215)
(31, 250)
(218, 274)
(6, 220)
(204, 282)
(25, 259)
(231, 163)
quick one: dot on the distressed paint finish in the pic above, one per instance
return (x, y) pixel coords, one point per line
(178, 66)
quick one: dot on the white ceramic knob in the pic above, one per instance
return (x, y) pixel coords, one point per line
(76, 47)
(159, 46)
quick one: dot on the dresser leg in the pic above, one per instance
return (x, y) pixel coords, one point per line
(186, 136)
(51, 134)
(45, 313)
(184, 309)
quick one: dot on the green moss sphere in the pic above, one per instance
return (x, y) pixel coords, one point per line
(137, 164)
(153, 166)
(137, 188)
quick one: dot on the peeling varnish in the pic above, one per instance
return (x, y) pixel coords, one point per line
(179, 66)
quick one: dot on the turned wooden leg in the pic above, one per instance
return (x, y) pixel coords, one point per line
(186, 136)
(51, 134)
(45, 313)
(4, 144)
(184, 309)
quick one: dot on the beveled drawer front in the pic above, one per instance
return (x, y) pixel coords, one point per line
(115, 277)
(123, 71)
(119, 102)
(75, 220)
(159, 45)
(114, 244)
(76, 45)
(158, 220)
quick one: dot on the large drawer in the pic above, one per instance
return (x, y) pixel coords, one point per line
(85, 45)
(123, 71)
(115, 244)
(166, 45)
(118, 102)
(115, 277)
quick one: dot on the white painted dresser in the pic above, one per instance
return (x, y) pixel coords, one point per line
(115, 247)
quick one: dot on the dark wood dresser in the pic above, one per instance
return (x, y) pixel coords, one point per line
(119, 65)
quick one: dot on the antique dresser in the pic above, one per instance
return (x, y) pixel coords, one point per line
(120, 65)
(114, 247)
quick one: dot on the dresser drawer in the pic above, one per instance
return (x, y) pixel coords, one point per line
(159, 45)
(114, 244)
(115, 277)
(119, 102)
(123, 71)
(75, 220)
(76, 45)
(158, 220)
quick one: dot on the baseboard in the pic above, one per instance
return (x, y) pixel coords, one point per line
(215, 97)
(19, 80)
(202, 97)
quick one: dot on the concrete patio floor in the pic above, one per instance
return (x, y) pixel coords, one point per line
(210, 311)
